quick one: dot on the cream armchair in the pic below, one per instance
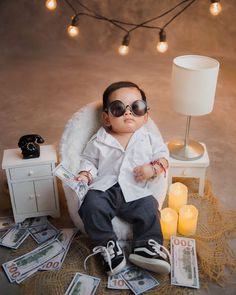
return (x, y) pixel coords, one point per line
(77, 132)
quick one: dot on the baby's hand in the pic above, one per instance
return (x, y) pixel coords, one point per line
(81, 177)
(143, 173)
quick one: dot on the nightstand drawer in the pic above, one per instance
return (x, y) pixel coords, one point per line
(30, 172)
(181, 171)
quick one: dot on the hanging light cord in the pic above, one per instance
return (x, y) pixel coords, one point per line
(181, 11)
(80, 9)
(119, 23)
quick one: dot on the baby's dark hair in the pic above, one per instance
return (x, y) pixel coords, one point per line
(117, 85)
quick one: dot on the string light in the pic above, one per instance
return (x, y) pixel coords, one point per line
(124, 47)
(215, 7)
(162, 45)
(83, 11)
(73, 29)
(51, 4)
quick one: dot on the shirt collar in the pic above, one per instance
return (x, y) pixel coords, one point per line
(106, 138)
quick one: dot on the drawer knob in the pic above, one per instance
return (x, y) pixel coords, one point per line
(38, 196)
(184, 172)
(31, 173)
(31, 197)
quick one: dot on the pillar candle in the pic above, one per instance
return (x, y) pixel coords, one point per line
(178, 195)
(169, 220)
(187, 224)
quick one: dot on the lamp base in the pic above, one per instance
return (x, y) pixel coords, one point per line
(192, 151)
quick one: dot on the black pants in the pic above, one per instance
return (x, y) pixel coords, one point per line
(99, 208)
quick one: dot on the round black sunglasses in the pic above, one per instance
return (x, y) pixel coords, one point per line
(117, 108)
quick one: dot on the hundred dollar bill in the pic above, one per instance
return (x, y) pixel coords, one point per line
(184, 267)
(55, 263)
(138, 280)
(65, 238)
(116, 282)
(44, 232)
(33, 221)
(27, 263)
(14, 237)
(25, 276)
(83, 285)
(80, 187)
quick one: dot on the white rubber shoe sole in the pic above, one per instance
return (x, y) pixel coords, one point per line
(156, 265)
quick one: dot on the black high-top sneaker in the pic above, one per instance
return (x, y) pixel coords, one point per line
(151, 257)
(113, 257)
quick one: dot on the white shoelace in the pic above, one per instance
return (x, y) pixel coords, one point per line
(158, 249)
(105, 251)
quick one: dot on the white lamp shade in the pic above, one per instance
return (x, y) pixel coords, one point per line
(194, 79)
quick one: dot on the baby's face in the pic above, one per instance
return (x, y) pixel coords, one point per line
(128, 122)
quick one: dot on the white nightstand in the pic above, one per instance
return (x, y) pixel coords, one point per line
(32, 186)
(192, 169)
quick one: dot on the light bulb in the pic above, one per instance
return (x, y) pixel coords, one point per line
(123, 50)
(51, 4)
(162, 46)
(124, 47)
(215, 8)
(73, 31)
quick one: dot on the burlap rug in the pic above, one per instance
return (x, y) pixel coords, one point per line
(216, 226)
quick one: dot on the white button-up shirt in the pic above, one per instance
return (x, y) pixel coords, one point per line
(109, 162)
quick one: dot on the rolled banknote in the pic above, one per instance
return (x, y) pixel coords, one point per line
(80, 187)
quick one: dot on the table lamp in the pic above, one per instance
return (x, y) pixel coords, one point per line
(194, 79)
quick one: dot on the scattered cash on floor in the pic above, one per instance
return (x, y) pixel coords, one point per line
(39, 228)
(184, 268)
(83, 284)
(138, 280)
(68, 178)
(50, 255)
